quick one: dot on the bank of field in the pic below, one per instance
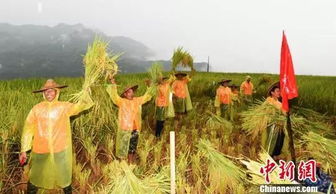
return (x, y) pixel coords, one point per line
(206, 146)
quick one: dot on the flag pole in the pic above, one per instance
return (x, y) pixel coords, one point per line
(291, 140)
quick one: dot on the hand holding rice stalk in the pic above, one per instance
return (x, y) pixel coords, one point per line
(182, 58)
(99, 66)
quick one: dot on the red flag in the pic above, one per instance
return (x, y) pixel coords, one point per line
(287, 76)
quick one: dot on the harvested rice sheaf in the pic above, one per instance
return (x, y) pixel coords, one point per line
(99, 66)
(123, 180)
(155, 72)
(223, 174)
(182, 58)
(322, 149)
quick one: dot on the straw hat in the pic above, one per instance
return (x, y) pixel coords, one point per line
(180, 74)
(225, 80)
(234, 86)
(50, 84)
(248, 77)
(133, 87)
(164, 78)
(274, 85)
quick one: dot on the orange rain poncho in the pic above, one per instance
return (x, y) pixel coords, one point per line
(180, 87)
(164, 97)
(223, 96)
(246, 88)
(129, 117)
(47, 133)
(180, 90)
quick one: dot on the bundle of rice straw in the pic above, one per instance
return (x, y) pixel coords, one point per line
(323, 150)
(253, 170)
(123, 180)
(223, 174)
(183, 58)
(218, 123)
(99, 66)
(155, 72)
(261, 115)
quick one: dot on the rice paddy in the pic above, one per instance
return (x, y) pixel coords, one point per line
(208, 148)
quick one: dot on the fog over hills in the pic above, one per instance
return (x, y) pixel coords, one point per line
(43, 51)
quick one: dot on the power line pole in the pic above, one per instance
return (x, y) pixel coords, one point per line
(208, 66)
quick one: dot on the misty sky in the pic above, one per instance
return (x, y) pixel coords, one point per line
(238, 35)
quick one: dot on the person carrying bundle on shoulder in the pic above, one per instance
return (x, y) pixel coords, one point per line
(164, 107)
(181, 97)
(129, 118)
(47, 133)
(276, 137)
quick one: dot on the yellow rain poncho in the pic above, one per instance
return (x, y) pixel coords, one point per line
(47, 133)
(129, 117)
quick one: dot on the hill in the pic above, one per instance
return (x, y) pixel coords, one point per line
(43, 51)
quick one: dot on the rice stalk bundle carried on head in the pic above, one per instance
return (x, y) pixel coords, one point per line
(257, 178)
(155, 72)
(123, 180)
(182, 58)
(224, 175)
(99, 65)
(322, 149)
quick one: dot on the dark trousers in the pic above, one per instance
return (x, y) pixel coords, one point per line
(279, 144)
(32, 189)
(159, 127)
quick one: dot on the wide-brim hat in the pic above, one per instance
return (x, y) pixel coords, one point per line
(234, 86)
(248, 77)
(225, 80)
(180, 74)
(133, 87)
(274, 85)
(50, 84)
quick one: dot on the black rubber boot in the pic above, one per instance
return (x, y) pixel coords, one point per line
(31, 189)
(159, 127)
(67, 190)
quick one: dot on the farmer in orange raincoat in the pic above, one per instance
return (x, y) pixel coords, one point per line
(234, 106)
(223, 98)
(181, 97)
(47, 134)
(129, 118)
(246, 89)
(163, 103)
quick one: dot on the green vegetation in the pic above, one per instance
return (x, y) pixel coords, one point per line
(95, 168)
